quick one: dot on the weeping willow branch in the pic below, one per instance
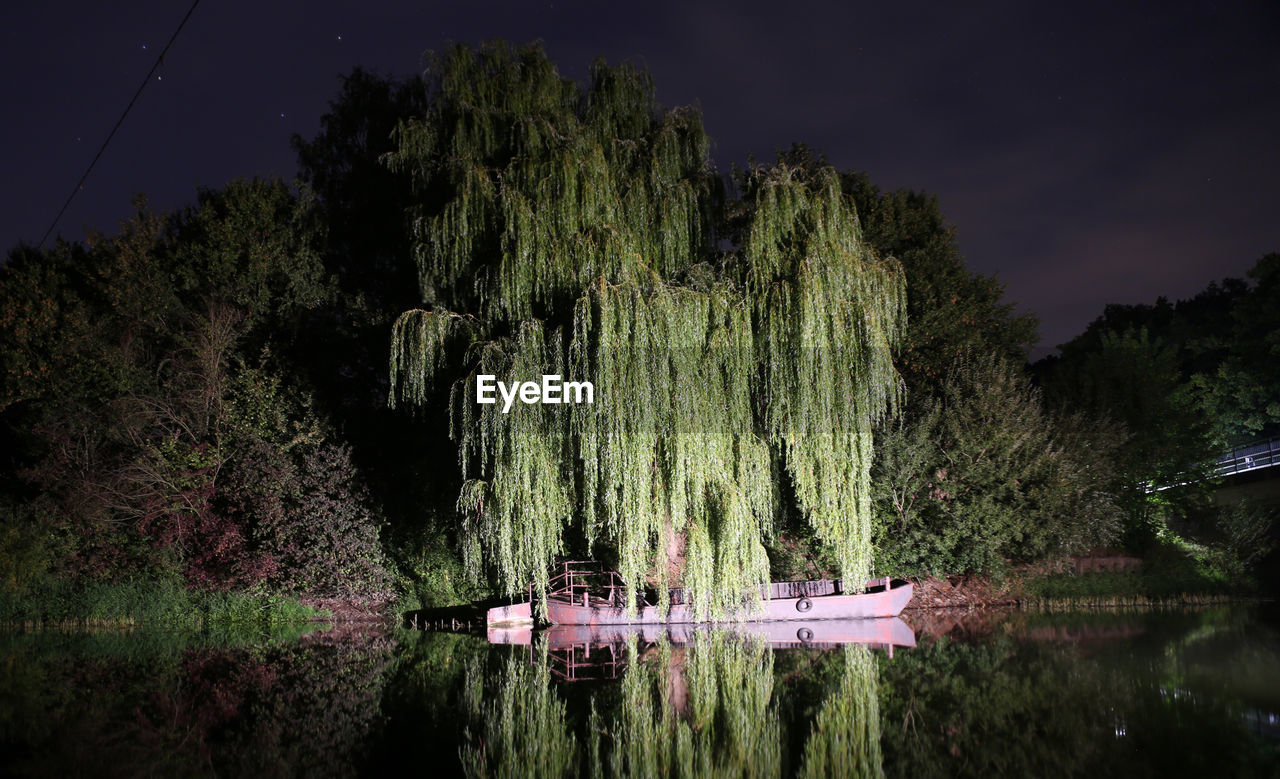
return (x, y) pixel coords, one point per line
(531, 188)
(421, 341)
(827, 317)
(522, 497)
(518, 726)
(672, 444)
(556, 220)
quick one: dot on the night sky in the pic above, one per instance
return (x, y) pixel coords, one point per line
(1086, 154)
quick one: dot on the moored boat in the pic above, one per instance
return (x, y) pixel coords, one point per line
(582, 595)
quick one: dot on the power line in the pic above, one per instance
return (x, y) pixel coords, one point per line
(147, 80)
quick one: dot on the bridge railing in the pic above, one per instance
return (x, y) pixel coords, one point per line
(1259, 454)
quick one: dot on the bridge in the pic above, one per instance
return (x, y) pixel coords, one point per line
(1250, 472)
(1239, 466)
(1251, 457)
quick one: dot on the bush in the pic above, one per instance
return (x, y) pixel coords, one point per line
(982, 474)
(432, 574)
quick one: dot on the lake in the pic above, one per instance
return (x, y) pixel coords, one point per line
(1155, 693)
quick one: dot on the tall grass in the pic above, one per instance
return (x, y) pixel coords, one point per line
(150, 603)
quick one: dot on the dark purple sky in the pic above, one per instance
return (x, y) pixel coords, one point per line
(1085, 154)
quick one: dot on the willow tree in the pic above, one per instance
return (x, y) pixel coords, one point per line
(571, 230)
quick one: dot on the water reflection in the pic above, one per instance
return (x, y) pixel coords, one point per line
(594, 652)
(694, 701)
(884, 633)
(700, 708)
(125, 704)
(986, 694)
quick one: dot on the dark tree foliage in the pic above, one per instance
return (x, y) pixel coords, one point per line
(406, 461)
(951, 310)
(1240, 389)
(1184, 380)
(1221, 346)
(143, 391)
(981, 475)
(361, 202)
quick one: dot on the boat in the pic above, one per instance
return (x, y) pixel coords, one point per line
(581, 593)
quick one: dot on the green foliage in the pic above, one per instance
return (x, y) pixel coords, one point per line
(715, 377)
(520, 723)
(983, 474)
(670, 369)
(145, 395)
(1242, 392)
(528, 187)
(1217, 350)
(951, 311)
(1176, 568)
(26, 553)
(1134, 379)
(1247, 534)
(428, 572)
(828, 316)
(705, 709)
(157, 604)
(252, 247)
(845, 740)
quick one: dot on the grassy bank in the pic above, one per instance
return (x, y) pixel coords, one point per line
(1109, 590)
(157, 604)
(1162, 580)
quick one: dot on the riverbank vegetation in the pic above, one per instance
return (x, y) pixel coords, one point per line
(265, 395)
(58, 603)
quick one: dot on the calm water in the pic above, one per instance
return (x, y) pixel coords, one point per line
(1147, 694)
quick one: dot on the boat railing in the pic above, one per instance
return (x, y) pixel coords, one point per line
(584, 662)
(587, 583)
(580, 581)
(816, 588)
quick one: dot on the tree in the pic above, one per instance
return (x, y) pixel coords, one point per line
(950, 309)
(563, 230)
(1134, 380)
(981, 474)
(144, 392)
(360, 201)
(1241, 391)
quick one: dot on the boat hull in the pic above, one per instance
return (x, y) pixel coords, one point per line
(868, 605)
(514, 615)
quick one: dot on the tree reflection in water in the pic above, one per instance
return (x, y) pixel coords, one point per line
(1024, 695)
(845, 740)
(702, 709)
(124, 705)
(519, 725)
(705, 708)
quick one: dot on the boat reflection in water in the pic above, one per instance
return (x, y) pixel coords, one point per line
(582, 652)
(684, 700)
